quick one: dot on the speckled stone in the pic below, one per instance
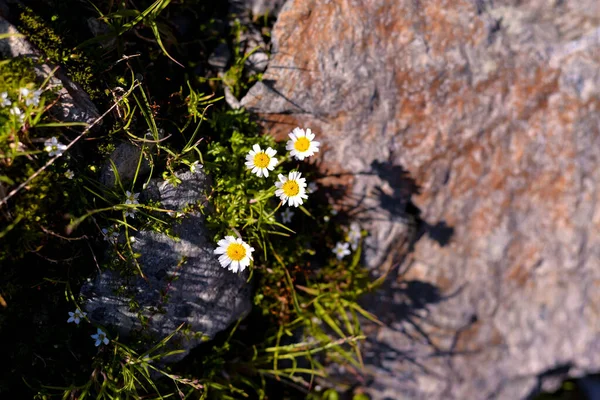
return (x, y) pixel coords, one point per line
(466, 135)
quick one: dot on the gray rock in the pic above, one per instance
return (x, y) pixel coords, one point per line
(74, 105)
(220, 58)
(230, 98)
(251, 40)
(255, 46)
(125, 159)
(466, 135)
(201, 294)
(257, 7)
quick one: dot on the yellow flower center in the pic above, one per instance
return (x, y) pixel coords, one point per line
(291, 188)
(302, 144)
(236, 251)
(262, 160)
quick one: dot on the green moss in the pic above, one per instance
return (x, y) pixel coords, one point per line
(40, 33)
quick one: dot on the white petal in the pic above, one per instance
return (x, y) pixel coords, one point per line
(256, 148)
(235, 266)
(299, 132)
(265, 172)
(224, 260)
(271, 152)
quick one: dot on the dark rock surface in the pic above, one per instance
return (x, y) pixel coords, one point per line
(126, 158)
(467, 137)
(199, 292)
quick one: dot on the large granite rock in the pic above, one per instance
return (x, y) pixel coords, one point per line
(185, 283)
(466, 135)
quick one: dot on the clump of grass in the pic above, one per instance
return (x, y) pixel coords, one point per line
(305, 307)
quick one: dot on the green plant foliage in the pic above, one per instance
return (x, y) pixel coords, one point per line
(59, 225)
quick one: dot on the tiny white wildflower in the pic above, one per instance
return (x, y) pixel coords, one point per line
(302, 144)
(69, 174)
(4, 100)
(354, 235)
(235, 254)
(100, 337)
(31, 98)
(341, 250)
(195, 166)
(76, 316)
(291, 189)
(326, 218)
(54, 147)
(286, 216)
(110, 235)
(312, 187)
(261, 161)
(16, 111)
(334, 212)
(131, 198)
(130, 212)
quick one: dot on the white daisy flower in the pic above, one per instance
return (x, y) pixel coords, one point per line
(312, 187)
(261, 161)
(341, 250)
(291, 189)
(4, 100)
(286, 216)
(354, 235)
(54, 147)
(302, 144)
(195, 166)
(69, 174)
(100, 337)
(131, 198)
(76, 316)
(235, 253)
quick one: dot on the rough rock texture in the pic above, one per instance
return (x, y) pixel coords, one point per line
(467, 135)
(251, 41)
(126, 158)
(200, 293)
(74, 105)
